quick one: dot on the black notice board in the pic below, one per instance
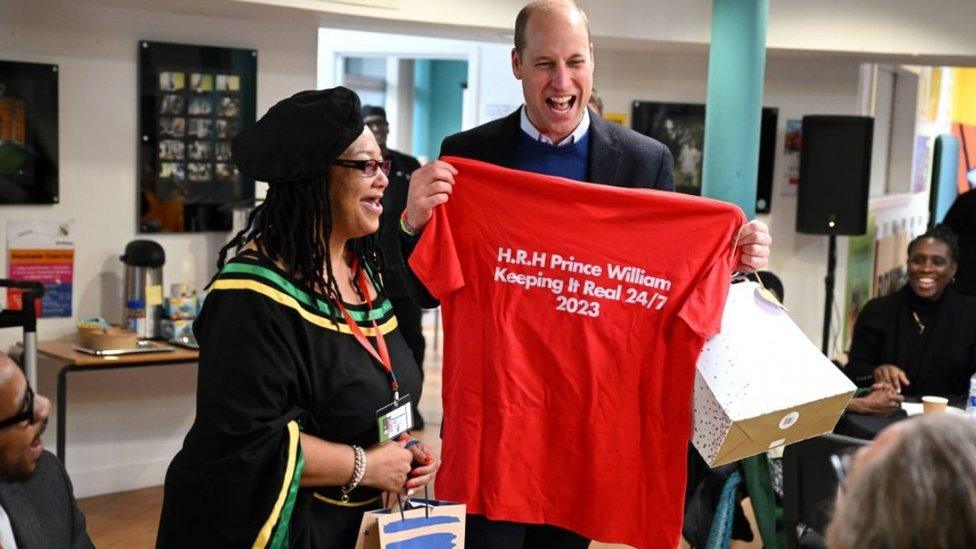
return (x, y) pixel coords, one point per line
(28, 133)
(192, 101)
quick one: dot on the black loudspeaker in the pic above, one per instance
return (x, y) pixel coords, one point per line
(835, 175)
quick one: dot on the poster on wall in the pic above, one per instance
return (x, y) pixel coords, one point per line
(920, 165)
(966, 134)
(28, 133)
(934, 104)
(792, 143)
(616, 117)
(681, 127)
(42, 251)
(860, 278)
(192, 101)
(891, 257)
(964, 125)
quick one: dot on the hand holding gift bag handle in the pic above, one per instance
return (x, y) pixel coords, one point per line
(439, 526)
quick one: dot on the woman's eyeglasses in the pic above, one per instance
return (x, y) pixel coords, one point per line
(26, 414)
(368, 167)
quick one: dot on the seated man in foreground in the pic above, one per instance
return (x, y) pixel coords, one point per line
(37, 505)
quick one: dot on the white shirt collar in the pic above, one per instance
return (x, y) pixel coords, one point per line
(577, 134)
(7, 538)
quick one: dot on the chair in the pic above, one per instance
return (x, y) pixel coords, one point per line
(766, 510)
(810, 482)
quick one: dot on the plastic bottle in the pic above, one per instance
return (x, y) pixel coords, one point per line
(135, 313)
(971, 401)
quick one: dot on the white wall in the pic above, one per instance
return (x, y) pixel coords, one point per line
(124, 425)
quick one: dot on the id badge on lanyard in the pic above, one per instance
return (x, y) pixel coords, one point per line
(395, 418)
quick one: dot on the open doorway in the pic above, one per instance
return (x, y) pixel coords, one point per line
(396, 69)
(426, 95)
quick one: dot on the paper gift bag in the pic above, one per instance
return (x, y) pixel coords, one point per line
(425, 524)
(761, 383)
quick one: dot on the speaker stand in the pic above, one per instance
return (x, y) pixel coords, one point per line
(829, 287)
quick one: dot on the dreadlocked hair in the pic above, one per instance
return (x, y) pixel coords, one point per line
(285, 226)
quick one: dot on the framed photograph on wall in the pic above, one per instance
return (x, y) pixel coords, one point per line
(681, 127)
(192, 101)
(28, 133)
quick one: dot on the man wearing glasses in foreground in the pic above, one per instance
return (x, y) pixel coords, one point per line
(37, 505)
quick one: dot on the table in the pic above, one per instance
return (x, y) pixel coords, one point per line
(62, 350)
(868, 426)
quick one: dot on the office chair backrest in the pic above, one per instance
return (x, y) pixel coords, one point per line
(810, 482)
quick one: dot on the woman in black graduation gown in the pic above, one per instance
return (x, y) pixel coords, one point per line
(295, 339)
(921, 340)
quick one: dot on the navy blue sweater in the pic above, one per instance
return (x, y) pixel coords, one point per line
(569, 161)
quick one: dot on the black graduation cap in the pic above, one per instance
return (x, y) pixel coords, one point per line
(299, 137)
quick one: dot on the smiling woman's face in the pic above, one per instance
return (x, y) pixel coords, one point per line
(930, 268)
(355, 198)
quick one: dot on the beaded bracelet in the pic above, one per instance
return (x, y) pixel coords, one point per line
(406, 227)
(358, 472)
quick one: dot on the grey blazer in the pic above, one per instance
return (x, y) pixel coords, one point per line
(43, 511)
(618, 156)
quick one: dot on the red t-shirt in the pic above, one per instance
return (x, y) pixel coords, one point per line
(573, 317)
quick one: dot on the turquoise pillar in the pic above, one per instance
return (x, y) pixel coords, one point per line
(422, 107)
(736, 69)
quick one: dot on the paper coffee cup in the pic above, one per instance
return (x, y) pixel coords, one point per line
(934, 404)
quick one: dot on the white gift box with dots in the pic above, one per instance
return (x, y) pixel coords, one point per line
(761, 383)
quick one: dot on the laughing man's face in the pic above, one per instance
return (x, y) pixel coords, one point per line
(556, 70)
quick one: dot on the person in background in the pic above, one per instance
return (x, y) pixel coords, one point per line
(920, 340)
(37, 504)
(913, 487)
(408, 313)
(301, 361)
(961, 218)
(596, 103)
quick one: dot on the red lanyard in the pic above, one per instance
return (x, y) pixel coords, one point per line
(380, 352)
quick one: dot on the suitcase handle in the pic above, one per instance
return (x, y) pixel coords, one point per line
(27, 285)
(27, 316)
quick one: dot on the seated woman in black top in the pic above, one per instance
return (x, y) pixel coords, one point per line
(922, 339)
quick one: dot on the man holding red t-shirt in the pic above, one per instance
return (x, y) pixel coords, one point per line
(553, 134)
